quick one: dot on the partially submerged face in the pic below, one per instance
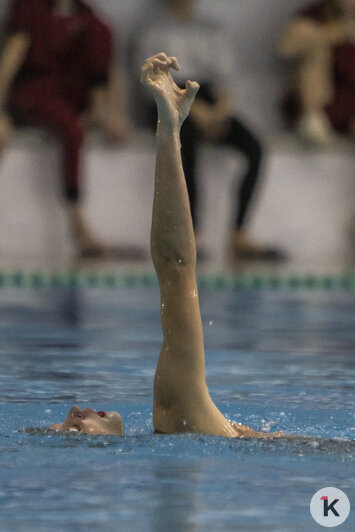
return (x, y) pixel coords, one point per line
(88, 421)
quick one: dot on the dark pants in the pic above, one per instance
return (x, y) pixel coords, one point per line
(237, 136)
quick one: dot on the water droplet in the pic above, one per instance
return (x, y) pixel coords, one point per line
(179, 261)
(211, 323)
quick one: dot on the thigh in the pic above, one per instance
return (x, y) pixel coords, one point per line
(45, 108)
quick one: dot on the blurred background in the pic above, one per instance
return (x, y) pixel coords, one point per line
(305, 206)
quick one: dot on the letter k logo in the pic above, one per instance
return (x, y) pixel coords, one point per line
(329, 507)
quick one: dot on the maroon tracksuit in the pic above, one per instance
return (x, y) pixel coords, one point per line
(67, 58)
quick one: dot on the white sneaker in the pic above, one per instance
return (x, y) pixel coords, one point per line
(315, 128)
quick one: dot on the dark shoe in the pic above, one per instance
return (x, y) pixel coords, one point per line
(92, 252)
(111, 252)
(262, 254)
(125, 252)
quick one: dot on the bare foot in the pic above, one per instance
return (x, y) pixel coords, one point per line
(88, 247)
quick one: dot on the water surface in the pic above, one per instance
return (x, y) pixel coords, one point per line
(275, 360)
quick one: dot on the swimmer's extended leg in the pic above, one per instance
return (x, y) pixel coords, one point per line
(181, 399)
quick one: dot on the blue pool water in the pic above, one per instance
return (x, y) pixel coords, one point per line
(278, 360)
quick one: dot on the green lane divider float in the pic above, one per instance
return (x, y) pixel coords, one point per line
(221, 282)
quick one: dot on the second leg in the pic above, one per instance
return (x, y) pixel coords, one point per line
(242, 139)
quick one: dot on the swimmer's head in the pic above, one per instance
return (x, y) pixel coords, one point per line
(88, 421)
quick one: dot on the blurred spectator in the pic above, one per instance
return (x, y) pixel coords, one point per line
(55, 64)
(321, 42)
(203, 51)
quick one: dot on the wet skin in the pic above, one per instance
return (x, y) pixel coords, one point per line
(182, 402)
(88, 421)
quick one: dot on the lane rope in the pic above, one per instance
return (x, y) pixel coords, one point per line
(37, 280)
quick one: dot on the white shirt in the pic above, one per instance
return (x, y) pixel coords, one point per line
(202, 48)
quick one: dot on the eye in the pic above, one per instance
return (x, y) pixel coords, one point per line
(79, 415)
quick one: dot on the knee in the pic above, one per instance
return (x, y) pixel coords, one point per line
(314, 34)
(302, 37)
